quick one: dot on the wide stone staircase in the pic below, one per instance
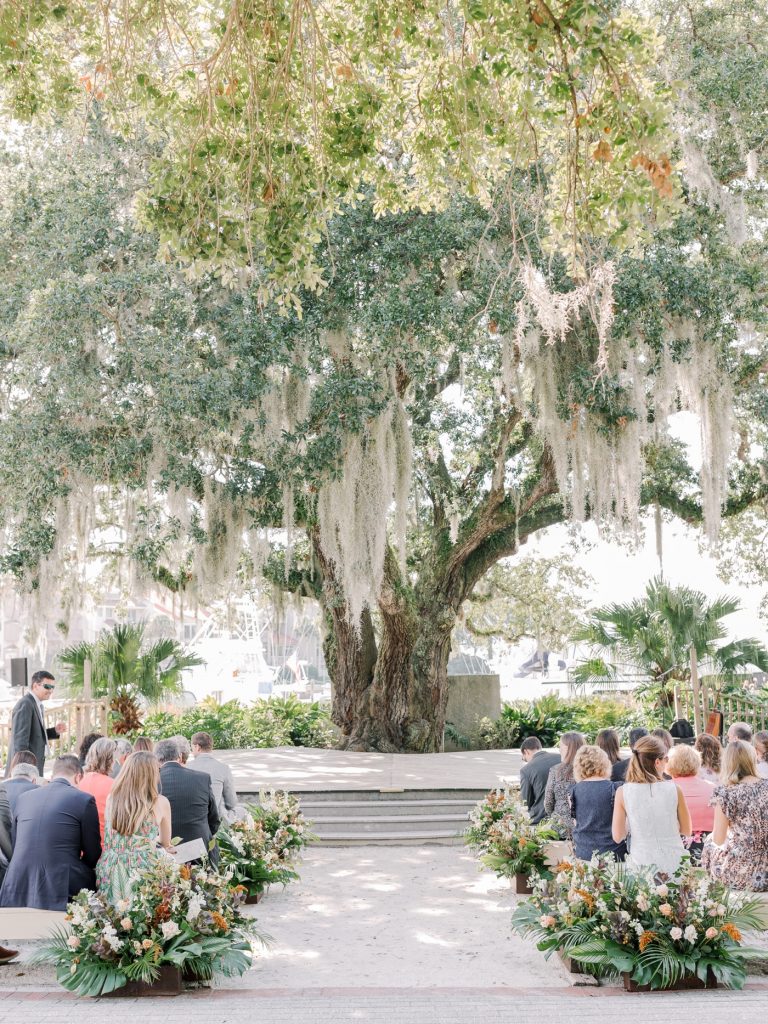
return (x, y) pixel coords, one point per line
(389, 817)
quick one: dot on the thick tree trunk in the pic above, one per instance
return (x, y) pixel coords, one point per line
(403, 709)
(350, 653)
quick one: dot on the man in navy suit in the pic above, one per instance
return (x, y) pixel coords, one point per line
(28, 728)
(193, 806)
(56, 842)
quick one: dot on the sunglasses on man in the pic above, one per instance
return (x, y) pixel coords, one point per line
(49, 686)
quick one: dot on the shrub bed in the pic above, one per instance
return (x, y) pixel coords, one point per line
(273, 722)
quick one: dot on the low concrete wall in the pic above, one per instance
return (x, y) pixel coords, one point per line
(469, 699)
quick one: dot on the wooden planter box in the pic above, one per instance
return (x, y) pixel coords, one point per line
(521, 885)
(692, 981)
(167, 984)
(572, 966)
(255, 898)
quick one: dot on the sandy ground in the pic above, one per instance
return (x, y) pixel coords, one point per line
(394, 916)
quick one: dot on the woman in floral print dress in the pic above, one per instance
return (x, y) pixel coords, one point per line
(138, 827)
(738, 853)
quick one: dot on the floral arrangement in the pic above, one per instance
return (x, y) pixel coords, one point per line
(263, 848)
(486, 813)
(656, 932)
(515, 846)
(180, 915)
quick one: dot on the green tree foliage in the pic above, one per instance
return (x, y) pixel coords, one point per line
(656, 633)
(542, 599)
(186, 415)
(273, 116)
(128, 670)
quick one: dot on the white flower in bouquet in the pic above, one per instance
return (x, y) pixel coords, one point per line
(642, 902)
(711, 933)
(73, 942)
(676, 934)
(126, 924)
(194, 910)
(690, 933)
(111, 939)
(662, 890)
(123, 906)
(719, 910)
(169, 929)
(79, 915)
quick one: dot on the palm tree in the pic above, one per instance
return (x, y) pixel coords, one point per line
(666, 635)
(128, 671)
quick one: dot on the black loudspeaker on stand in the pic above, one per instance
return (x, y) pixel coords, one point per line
(18, 671)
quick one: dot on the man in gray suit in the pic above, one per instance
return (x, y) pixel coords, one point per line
(534, 775)
(222, 782)
(28, 729)
(193, 809)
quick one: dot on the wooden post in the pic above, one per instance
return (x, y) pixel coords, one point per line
(678, 709)
(87, 674)
(695, 691)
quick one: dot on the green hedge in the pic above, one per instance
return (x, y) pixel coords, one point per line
(551, 716)
(273, 722)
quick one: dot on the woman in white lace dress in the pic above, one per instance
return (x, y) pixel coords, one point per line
(652, 810)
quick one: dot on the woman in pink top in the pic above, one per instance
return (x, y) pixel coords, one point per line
(98, 780)
(684, 765)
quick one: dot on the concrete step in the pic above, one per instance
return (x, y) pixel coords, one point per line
(373, 795)
(441, 837)
(315, 809)
(410, 824)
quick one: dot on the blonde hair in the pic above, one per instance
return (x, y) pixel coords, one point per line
(739, 762)
(133, 795)
(645, 753)
(683, 761)
(101, 756)
(571, 741)
(591, 763)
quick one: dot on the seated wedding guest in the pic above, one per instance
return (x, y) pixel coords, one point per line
(738, 853)
(557, 795)
(619, 770)
(185, 747)
(592, 805)
(85, 745)
(710, 751)
(740, 731)
(683, 766)
(652, 809)
(123, 748)
(138, 825)
(608, 741)
(222, 782)
(56, 842)
(760, 744)
(143, 743)
(24, 777)
(193, 808)
(665, 736)
(97, 779)
(534, 775)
